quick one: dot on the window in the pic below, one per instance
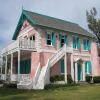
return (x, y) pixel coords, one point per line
(86, 44)
(49, 39)
(88, 67)
(32, 38)
(63, 40)
(76, 42)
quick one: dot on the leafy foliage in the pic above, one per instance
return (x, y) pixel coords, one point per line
(93, 22)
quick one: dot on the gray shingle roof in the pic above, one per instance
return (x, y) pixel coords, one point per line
(51, 22)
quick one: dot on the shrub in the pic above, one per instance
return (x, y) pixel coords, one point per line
(88, 78)
(96, 79)
(57, 78)
(69, 79)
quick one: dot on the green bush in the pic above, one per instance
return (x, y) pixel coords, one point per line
(57, 78)
(96, 79)
(88, 78)
(69, 79)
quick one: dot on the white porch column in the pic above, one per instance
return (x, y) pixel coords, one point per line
(6, 65)
(76, 74)
(11, 63)
(83, 68)
(72, 67)
(65, 61)
(18, 64)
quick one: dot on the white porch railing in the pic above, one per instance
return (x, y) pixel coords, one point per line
(20, 43)
(24, 77)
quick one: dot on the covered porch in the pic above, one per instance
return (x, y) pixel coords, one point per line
(16, 66)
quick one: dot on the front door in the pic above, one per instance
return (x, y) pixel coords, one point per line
(79, 72)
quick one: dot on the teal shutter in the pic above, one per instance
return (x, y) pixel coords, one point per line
(28, 66)
(73, 42)
(60, 36)
(85, 67)
(78, 42)
(53, 39)
(62, 65)
(84, 44)
(89, 67)
(46, 35)
(66, 40)
(89, 47)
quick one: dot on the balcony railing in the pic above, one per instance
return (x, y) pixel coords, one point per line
(22, 43)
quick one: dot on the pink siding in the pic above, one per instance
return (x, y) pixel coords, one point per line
(95, 61)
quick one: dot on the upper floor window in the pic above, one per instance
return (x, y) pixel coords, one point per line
(86, 44)
(88, 67)
(63, 40)
(76, 42)
(32, 38)
(50, 39)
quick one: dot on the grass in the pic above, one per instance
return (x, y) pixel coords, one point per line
(90, 92)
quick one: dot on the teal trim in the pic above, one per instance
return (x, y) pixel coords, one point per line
(23, 17)
(78, 42)
(60, 36)
(46, 35)
(84, 44)
(85, 67)
(73, 42)
(66, 40)
(89, 67)
(89, 47)
(79, 72)
(53, 39)
(62, 65)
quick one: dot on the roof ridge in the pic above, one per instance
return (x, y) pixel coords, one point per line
(51, 17)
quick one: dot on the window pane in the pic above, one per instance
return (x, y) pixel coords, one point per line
(49, 42)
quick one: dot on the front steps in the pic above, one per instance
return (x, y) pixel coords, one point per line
(82, 83)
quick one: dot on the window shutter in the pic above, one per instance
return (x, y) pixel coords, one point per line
(84, 44)
(89, 48)
(78, 42)
(89, 67)
(85, 67)
(53, 38)
(62, 65)
(73, 42)
(46, 35)
(66, 40)
(60, 36)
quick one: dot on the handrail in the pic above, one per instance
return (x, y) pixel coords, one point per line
(37, 73)
(19, 43)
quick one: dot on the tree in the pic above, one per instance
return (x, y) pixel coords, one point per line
(93, 22)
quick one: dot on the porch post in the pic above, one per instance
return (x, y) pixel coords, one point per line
(6, 65)
(11, 63)
(72, 68)
(65, 61)
(18, 64)
(76, 74)
(83, 68)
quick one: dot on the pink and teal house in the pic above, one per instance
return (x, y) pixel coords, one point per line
(45, 47)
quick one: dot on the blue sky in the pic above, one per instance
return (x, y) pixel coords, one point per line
(70, 10)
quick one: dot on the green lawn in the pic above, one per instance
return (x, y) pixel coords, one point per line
(91, 92)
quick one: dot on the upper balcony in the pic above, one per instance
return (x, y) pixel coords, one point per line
(23, 44)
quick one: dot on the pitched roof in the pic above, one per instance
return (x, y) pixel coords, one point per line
(43, 20)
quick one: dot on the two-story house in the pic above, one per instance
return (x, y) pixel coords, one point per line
(43, 47)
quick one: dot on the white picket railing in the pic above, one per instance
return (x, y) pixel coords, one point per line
(20, 43)
(24, 77)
